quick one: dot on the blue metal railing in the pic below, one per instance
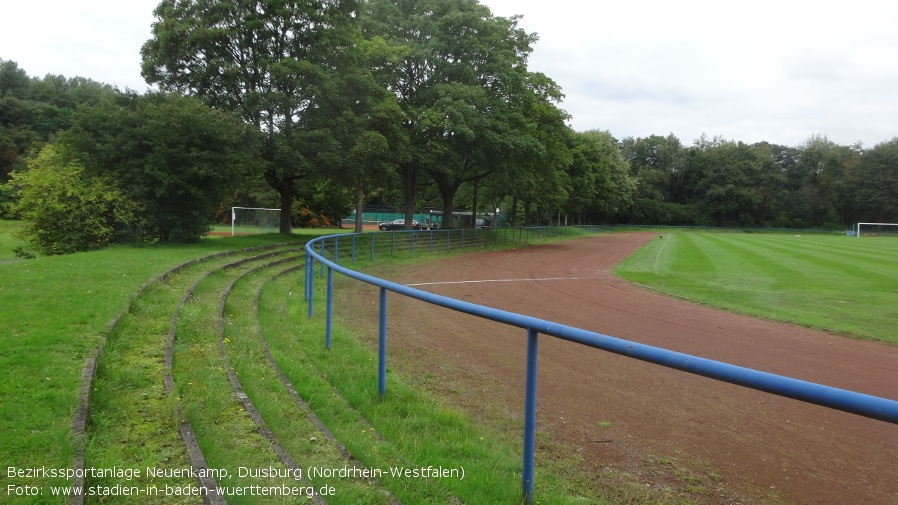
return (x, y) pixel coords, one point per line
(840, 399)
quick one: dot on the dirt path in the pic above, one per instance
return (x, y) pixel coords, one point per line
(721, 443)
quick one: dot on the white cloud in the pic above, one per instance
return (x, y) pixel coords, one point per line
(777, 71)
(99, 39)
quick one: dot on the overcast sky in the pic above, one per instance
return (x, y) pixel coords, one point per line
(763, 70)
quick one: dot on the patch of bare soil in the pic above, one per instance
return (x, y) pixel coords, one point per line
(668, 430)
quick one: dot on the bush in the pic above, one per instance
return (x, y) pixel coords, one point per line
(303, 217)
(173, 154)
(65, 212)
(23, 253)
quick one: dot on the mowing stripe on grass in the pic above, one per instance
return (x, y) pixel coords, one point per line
(686, 255)
(820, 281)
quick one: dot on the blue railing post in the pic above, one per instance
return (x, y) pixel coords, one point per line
(311, 276)
(431, 240)
(305, 277)
(323, 240)
(462, 238)
(372, 246)
(382, 345)
(337, 250)
(353, 246)
(413, 242)
(330, 309)
(529, 417)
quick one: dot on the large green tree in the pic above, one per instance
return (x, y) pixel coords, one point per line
(460, 76)
(360, 127)
(729, 174)
(175, 156)
(268, 60)
(820, 183)
(600, 176)
(877, 182)
(660, 164)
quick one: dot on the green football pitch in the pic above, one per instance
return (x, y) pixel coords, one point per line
(828, 282)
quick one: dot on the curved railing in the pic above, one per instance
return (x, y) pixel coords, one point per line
(316, 250)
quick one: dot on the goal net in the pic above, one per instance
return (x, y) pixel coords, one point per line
(877, 229)
(252, 220)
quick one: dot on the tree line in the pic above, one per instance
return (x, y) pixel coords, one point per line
(329, 105)
(818, 184)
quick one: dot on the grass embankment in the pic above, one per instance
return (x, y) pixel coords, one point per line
(61, 308)
(55, 311)
(828, 282)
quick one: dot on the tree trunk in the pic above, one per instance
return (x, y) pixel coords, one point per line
(447, 192)
(285, 190)
(410, 187)
(474, 205)
(513, 212)
(359, 202)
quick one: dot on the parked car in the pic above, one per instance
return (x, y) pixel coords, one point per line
(481, 224)
(398, 224)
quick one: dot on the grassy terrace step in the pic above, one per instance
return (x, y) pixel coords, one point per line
(56, 311)
(226, 434)
(291, 423)
(133, 423)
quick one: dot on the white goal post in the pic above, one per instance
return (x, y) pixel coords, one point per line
(255, 220)
(875, 224)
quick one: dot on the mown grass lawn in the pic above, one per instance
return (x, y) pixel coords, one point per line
(8, 240)
(829, 282)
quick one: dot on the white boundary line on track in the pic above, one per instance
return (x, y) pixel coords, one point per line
(504, 280)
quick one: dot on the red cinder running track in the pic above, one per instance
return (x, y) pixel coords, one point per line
(759, 447)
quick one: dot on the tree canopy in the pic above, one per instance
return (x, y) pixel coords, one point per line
(33, 110)
(471, 105)
(267, 60)
(172, 154)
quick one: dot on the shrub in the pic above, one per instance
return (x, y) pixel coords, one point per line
(64, 211)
